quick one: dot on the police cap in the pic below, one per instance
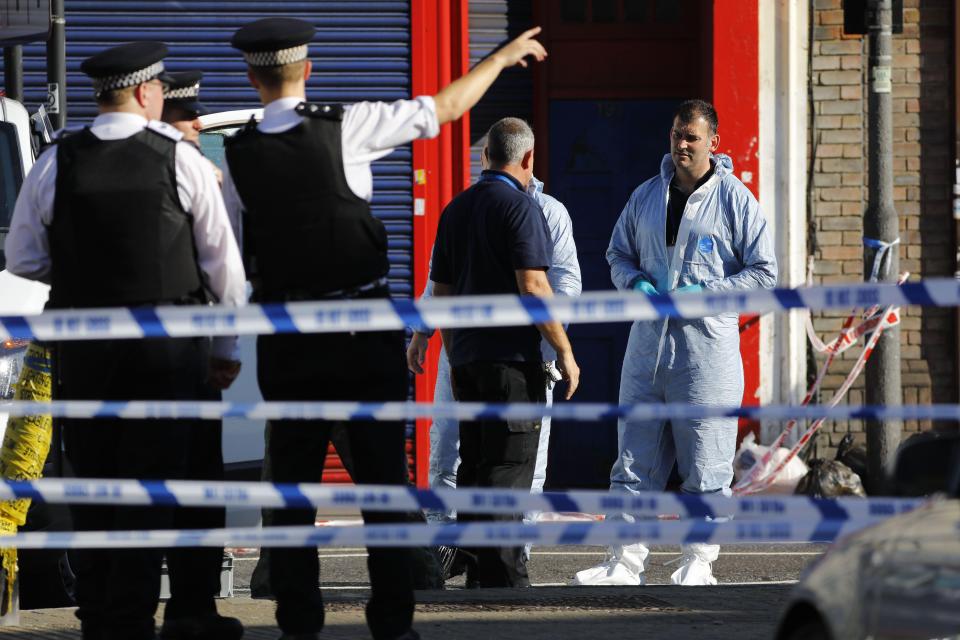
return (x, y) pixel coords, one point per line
(272, 42)
(126, 65)
(184, 91)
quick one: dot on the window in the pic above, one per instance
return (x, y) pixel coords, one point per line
(211, 144)
(614, 12)
(604, 11)
(11, 172)
(635, 10)
(667, 11)
(573, 10)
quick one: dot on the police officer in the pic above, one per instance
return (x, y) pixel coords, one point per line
(122, 213)
(181, 104)
(182, 108)
(194, 572)
(302, 178)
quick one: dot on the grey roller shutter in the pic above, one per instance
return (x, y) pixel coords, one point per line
(361, 52)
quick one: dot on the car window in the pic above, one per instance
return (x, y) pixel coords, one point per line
(11, 172)
(211, 143)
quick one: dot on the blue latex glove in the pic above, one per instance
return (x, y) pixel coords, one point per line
(644, 287)
(690, 288)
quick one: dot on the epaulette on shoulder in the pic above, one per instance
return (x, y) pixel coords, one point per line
(165, 130)
(322, 111)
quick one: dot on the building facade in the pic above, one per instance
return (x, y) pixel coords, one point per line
(923, 77)
(790, 90)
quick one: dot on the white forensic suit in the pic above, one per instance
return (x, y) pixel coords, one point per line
(723, 243)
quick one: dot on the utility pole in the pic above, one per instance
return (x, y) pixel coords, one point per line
(880, 222)
(13, 71)
(57, 66)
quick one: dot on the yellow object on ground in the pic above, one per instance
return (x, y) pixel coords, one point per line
(26, 444)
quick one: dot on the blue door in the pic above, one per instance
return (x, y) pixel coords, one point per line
(600, 151)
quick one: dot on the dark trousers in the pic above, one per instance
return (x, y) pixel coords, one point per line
(117, 590)
(360, 367)
(498, 453)
(194, 572)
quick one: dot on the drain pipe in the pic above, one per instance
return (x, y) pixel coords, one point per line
(956, 179)
(57, 66)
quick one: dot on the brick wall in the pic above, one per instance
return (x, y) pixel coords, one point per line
(923, 147)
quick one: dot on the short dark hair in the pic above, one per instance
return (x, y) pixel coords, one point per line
(690, 110)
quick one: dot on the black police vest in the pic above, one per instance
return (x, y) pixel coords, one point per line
(119, 235)
(307, 232)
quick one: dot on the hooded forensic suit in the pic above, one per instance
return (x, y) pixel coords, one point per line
(722, 244)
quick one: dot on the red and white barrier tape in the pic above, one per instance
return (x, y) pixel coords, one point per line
(874, 324)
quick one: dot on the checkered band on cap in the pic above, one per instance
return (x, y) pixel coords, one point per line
(276, 58)
(184, 92)
(109, 83)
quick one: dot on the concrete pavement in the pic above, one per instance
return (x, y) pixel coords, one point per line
(755, 582)
(555, 566)
(729, 612)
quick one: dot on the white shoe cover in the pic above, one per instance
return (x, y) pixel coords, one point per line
(623, 567)
(697, 569)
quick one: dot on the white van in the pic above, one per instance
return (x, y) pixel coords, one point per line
(17, 295)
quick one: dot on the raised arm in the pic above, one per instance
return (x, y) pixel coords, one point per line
(459, 96)
(371, 130)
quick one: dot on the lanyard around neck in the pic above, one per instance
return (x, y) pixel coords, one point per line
(488, 177)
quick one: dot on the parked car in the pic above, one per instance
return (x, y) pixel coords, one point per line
(899, 579)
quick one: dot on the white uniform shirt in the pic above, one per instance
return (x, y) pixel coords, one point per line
(369, 131)
(28, 247)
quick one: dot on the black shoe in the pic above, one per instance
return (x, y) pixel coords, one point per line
(206, 627)
(409, 635)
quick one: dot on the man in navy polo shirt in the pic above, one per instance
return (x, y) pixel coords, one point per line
(493, 239)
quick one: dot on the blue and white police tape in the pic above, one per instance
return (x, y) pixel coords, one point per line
(471, 534)
(450, 312)
(385, 411)
(186, 493)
